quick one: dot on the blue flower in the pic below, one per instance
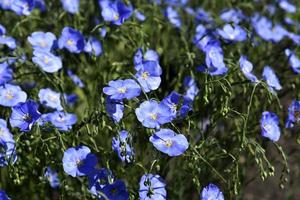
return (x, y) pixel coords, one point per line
(61, 120)
(139, 59)
(93, 46)
(121, 89)
(173, 16)
(271, 79)
(287, 6)
(42, 41)
(6, 4)
(2, 30)
(40, 4)
(122, 146)
(173, 102)
(52, 177)
(232, 15)
(6, 73)
(98, 179)
(168, 142)
(24, 115)
(115, 191)
(72, 40)
(10, 42)
(191, 87)
(5, 134)
(76, 80)
(202, 37)
(152, 187)
(293, 114)
(233, 33)
(50, 98)
(214, 60)
(70, 98)
(115, 12)
(139, 16)
(293, 60)
(7, 145)
(3, 195)
(79, 161)
(47, 61)
(22, 7)
(7, 153)
(115, 109)
(149, 76)
(211, 192)
(11, 95)
(152, 114)
(247, 67)
(71, 6)
(269, 123)
(265, 29)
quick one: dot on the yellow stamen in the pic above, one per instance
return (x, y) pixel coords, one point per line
(153, 116)
(9, 95)
(70, 42)
(169, 143)
(122, 90)
(46, 60)
(116, 17)
(145, 75)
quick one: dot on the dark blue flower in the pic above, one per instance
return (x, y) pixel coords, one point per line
(152, 187)
(42, 41)
(72, 40)
(173, 16)
(293, 114)
(211, 192)
(270, 126)
(168, 142)
(50, 98)
(76, 80)
(115, 109)
(61, 120)
(52, 177)
(233, 33)
(247, 67)
(79, 161)
(121, 144)
(98, 179)
(71, 6)
(149, 76)
(3, 195)
(121, 89)
(293, 60)
(22, 7)
(24, 115)
(115, 191)
(93, 46)
(11, 95)
(152, 114)
(115, 12)
(47, 61)
(271, 79)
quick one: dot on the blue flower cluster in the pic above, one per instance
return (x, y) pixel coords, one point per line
(48, 109)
